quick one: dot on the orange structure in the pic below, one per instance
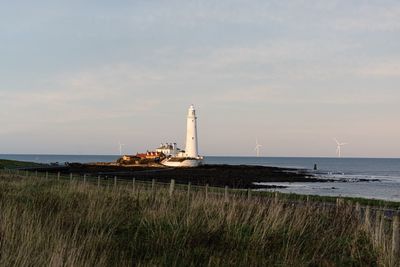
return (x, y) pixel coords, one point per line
(150, 155)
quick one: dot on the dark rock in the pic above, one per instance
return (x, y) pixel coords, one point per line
(234, 176)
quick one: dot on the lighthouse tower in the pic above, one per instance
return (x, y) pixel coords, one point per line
(191, 150)
(190, 157)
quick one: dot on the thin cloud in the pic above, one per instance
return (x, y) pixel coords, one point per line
(87, 95)
(384, 70)
(371, 18)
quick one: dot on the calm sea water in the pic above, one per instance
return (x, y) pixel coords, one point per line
(351, 170)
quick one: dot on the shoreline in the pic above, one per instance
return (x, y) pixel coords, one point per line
(164, 174)
(219, 175)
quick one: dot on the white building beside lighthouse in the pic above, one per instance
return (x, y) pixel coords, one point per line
(168, 149)
(190, 157)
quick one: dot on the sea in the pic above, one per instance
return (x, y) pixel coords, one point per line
(376, 178)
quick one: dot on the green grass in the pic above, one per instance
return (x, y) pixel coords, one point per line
(315, 198)
(332, 199)
(58, 223)
(14, 164)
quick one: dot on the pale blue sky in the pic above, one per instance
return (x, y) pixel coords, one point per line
(76, 77)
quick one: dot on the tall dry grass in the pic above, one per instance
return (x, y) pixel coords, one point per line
(59, 223)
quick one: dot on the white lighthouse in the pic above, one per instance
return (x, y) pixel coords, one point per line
(190, 157)
(191, 150)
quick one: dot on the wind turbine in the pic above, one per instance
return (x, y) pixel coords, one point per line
(257, 148)
(339, 147)
(120, 148)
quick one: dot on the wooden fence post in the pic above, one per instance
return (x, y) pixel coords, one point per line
(248, 194)
(226, 194)
(396, 240)
(188, 190)
(70, 177)
(206, 191)
(367, 217)
(382, 227)
(153, 189)
(338, 204)
(58, 176)
(276, 196)
(171, 187)
(138, 194)
(133, 184)
(377, 228)
(98, 181)
(115, 181)
(358, 209)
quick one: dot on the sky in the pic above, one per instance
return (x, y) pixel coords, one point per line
(77, 77)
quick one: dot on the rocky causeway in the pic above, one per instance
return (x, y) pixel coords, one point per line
(234, 176)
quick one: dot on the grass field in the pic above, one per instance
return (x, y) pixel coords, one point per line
(59, 223)
(13, 164)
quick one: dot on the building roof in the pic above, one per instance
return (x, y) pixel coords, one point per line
(167, 146)
(149, 154)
